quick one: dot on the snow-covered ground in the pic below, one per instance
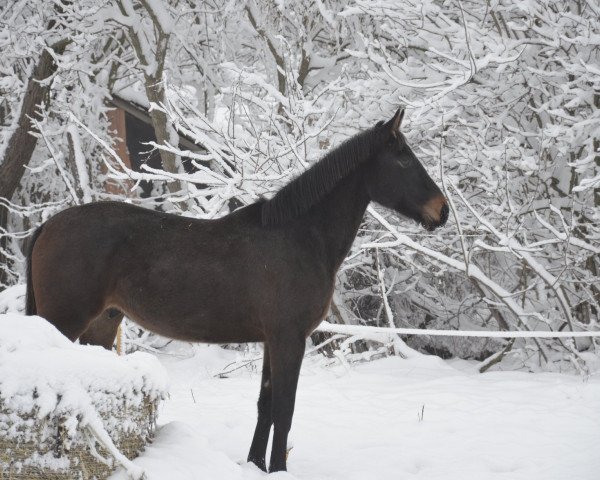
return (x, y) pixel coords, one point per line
(420, 418)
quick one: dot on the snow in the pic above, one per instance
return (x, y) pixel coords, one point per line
(78, 156)
(415, 418)
(45, 377)
(34, 354)
(12, 299)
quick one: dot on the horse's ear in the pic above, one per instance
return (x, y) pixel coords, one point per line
(393, 125)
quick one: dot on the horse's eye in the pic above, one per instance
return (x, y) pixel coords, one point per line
(404, 162)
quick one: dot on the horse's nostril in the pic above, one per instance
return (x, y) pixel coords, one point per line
(444, 213)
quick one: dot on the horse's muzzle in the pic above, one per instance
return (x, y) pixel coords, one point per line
(435, 213)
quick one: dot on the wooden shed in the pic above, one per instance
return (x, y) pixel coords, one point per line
(133, 128)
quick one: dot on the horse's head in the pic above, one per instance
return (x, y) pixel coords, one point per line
(397, 180)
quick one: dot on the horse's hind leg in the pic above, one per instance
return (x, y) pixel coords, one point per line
(69, 316)
(103, 329)
(258, 449)
(69, 291)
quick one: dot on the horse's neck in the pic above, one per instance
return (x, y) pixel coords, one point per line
(338, 216)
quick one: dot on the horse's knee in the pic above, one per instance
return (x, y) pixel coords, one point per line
(265, 398)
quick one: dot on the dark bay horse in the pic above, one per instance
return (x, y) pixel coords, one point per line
(264, 273)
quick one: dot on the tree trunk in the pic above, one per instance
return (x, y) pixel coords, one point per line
(22, 144)
(156, 94)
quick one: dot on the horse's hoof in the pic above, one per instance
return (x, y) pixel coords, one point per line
(277, 468)
(260, 463)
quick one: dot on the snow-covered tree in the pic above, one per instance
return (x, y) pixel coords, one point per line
(503, 103)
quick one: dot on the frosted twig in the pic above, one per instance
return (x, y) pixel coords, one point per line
(57, 162)
(96, 428)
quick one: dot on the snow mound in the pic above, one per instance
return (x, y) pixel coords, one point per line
(12, 299)
(56, 397)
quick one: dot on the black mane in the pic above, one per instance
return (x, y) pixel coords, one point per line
(304, 191)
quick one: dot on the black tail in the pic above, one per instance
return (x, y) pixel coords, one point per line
(30, 308)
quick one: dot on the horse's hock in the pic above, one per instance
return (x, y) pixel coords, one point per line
(69, 411)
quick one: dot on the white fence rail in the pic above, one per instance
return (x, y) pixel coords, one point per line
(358, 330)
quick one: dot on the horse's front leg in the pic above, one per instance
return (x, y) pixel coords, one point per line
(286, 358)
(258, 449)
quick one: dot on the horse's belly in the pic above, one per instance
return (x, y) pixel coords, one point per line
(206, 325)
